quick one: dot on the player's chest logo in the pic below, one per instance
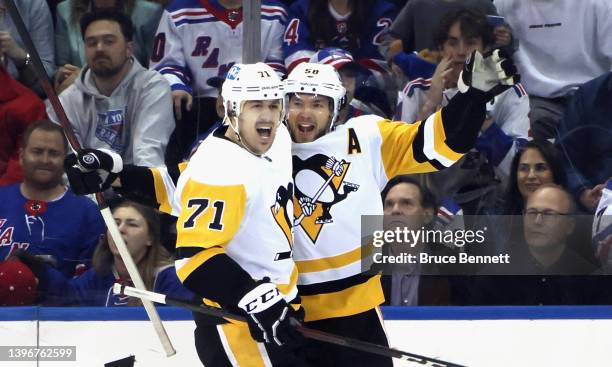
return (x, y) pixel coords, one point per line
(282, 209)
(319, 185)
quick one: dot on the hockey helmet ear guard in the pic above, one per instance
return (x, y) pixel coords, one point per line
(321, 79)
(250, 82)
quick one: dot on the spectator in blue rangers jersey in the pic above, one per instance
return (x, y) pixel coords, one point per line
(41, 215)
(474, 183)
(199, 39)
(139, 227)
(355, 26)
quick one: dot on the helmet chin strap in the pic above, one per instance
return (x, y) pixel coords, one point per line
(237, 132)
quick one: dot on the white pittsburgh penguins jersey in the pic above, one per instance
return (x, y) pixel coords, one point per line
(342, 173)
(200, 39)
(232, 202)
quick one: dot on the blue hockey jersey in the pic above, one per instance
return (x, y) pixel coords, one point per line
(93, 289)
(298, 45)
(68, 228)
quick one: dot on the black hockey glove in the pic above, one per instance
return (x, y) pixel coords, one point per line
(92, 170)
(492, 73)
(269, 315)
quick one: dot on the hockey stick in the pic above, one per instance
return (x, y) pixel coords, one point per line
(76, 146)
(306, 331)
(317, 195)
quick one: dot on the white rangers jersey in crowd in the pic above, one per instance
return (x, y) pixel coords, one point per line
(509, 110)
(231, 203)
(200, 39)
(342, 173)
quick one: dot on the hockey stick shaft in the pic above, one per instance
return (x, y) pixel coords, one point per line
(306, 331)
(41, 74)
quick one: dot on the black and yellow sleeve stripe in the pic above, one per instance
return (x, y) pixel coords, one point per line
(155, 185)
(436, 142)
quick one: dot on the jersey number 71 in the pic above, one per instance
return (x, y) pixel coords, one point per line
(201, 205)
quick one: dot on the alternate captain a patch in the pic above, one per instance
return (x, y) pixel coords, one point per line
(319, 185)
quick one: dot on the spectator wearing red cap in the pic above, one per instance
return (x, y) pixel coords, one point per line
(18, 284)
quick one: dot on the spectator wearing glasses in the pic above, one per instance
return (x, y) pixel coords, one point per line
(537, 163)
(543, 269)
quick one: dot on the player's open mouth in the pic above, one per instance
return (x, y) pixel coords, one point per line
(264, 132)
(305, 128)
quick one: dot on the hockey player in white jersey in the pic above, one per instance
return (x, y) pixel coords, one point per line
(234, 238)
(200, 39)
(338, 176)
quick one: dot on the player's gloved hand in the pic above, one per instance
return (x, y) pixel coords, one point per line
(492, 73)
(92, 170)
(269, 315)
(335, 166)
(306, 205)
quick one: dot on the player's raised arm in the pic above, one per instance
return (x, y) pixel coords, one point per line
(442, 138)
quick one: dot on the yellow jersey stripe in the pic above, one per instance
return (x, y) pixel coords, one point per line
(162, 191)
(351, 301)
(242, 347)
(287, 288)
(196, 261)
(396, 150)
(333, 262)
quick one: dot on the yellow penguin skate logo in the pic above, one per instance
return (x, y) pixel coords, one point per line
(319, 185)
(281, 210)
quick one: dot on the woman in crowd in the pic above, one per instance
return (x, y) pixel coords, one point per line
(139, 227)
(538, 162)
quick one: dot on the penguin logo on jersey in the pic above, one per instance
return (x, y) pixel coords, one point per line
(319, 185)
(281, 210)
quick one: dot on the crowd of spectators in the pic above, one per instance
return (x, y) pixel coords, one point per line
(142, 78)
